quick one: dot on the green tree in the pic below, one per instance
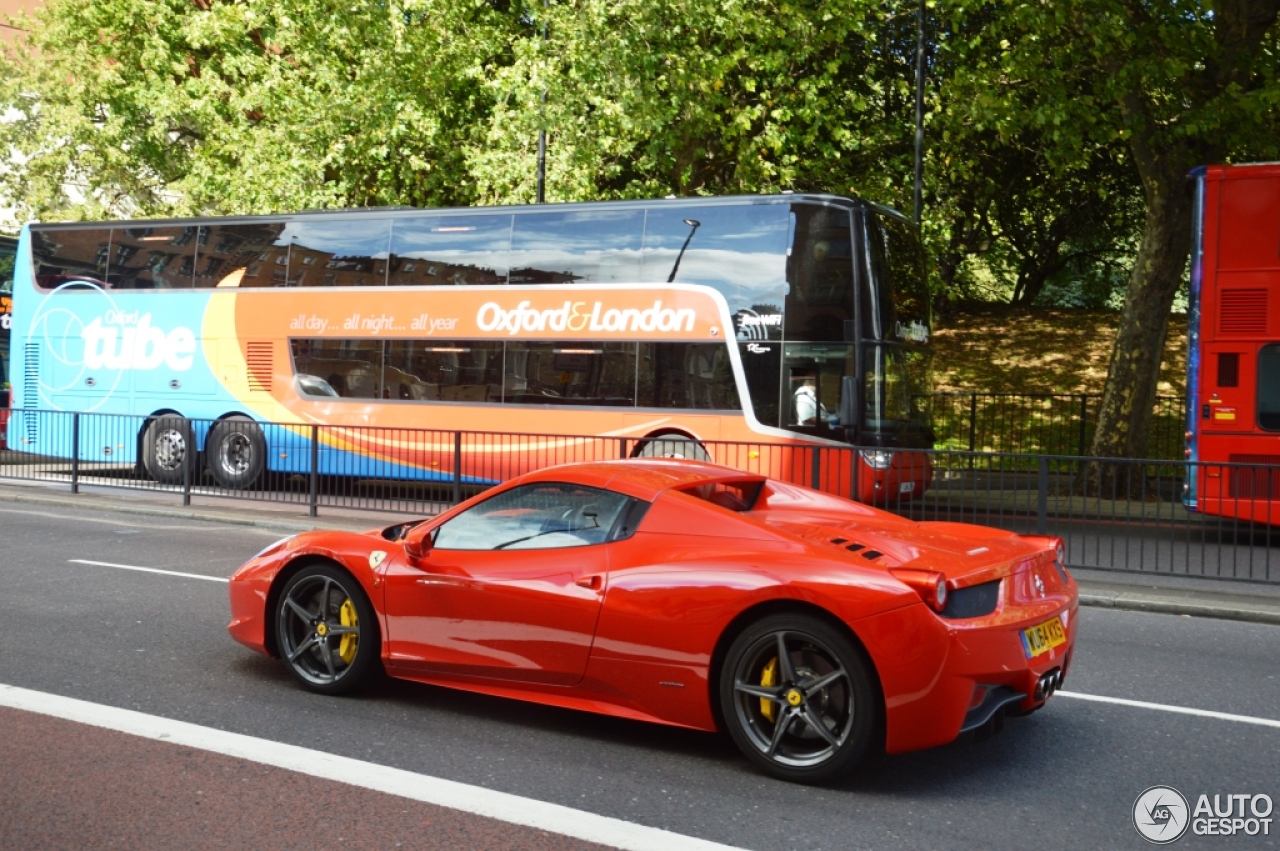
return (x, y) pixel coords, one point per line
(1178, 83)
(225, 107)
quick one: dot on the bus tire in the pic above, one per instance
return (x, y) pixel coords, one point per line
(672, 446)
(235, 452)
(168, 449)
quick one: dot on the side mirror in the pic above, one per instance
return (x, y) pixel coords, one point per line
(418, 542)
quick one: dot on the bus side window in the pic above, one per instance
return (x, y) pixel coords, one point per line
(74, 254)
(1269, 387)
(588, 247)
(449, 250)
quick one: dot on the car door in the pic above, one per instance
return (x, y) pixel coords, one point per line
(510, 589)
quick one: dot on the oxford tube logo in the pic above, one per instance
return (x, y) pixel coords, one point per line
(87, 342)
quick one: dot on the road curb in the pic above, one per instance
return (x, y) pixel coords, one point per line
(282, 524)
(1186, 606)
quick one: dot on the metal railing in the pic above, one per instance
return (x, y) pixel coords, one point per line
(1042, 423)
(1121, 515)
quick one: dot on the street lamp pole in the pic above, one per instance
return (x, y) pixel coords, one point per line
(919, 202)
(542, 123)
(693, 224)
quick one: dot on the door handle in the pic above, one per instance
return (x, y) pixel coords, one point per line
(594, 582)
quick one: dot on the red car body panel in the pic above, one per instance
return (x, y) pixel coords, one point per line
(631, 628)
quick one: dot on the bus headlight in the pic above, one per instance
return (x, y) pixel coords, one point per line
(876, 459)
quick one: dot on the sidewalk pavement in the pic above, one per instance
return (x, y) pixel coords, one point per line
(1139, 592)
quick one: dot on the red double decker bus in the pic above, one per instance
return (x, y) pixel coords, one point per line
(1233, 368)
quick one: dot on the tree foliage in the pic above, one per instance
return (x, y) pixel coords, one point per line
(1178, 83)
(1058, 133)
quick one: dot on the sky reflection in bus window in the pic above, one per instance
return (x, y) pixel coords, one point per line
(740, 251)
(459, 250)
(597, 247)
(334, 253)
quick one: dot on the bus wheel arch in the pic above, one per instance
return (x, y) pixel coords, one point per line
(671, 444)
(168, 448)
(235, 452)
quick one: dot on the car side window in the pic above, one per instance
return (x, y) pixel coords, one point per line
(546, 515)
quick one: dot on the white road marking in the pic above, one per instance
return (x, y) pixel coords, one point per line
(147, 570)
(502, 806)
(1180, 710)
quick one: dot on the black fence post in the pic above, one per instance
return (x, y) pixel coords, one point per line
(622, 447)
(75, 453)
(1084, 418)
(189, 459)
(1042, 497)
(973, 425)
(457, 467)
(313, 483)
(815, 473)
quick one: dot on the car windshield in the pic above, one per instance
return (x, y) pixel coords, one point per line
(546, 515)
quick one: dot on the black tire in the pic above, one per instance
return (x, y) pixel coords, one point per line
(235, 452)
(672, 446)
(810, 714)
(168, 450)
(326, 630)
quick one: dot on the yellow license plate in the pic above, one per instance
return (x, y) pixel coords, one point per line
(1043, 637)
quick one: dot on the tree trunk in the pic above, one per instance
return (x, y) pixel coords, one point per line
(1124, 418)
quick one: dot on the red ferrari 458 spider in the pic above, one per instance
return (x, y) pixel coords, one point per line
(811, 628)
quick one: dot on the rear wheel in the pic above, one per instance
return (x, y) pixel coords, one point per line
(235, 452)
(326, 630)
(168, 453)
(672, 446)
(798, 699)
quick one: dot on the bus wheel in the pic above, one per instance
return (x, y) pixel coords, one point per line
(235, 452)
(168, 451)
(672, 446)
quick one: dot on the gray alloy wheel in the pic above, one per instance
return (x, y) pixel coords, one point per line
(326, 630)
(168, 450)
(798, 699)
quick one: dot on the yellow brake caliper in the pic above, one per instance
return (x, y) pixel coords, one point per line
(347, 645)
(769, 677)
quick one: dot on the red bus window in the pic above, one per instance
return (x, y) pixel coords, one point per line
(1228, 369)
(1269, 387)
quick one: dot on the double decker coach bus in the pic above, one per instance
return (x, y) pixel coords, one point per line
(1233, 367)
(681, 324)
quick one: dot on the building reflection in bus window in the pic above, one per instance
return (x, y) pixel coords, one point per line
(457, 250)
(335, 252)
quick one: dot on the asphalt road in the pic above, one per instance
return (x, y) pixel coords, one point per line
(1066, 777)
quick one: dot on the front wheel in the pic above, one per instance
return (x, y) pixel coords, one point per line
(235, 452)
(798, 699)
(326, 630)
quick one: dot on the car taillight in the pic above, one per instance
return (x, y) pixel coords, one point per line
(929, 584)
